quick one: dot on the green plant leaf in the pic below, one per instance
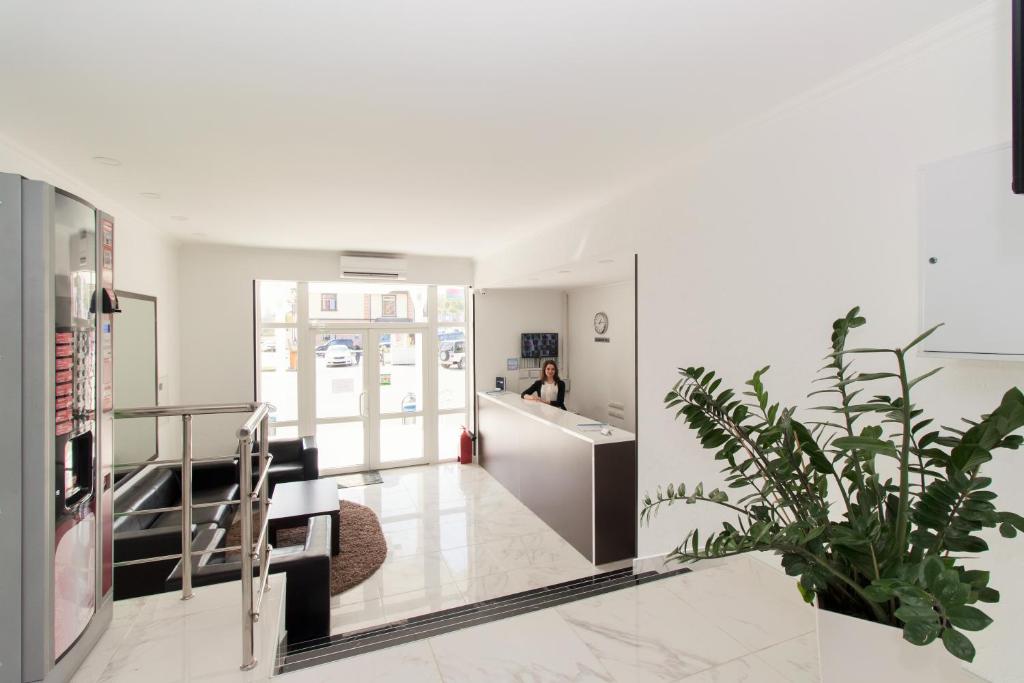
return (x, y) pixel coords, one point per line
(968, 618)
(866, 444)
(958, 644)
(921, 337)
(921, 632)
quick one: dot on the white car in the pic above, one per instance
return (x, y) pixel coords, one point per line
(339, 355)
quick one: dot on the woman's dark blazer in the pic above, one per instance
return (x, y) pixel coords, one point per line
(535, 389)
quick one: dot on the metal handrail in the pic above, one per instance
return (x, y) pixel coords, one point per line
(249, 426)
(259, 414)
(175, 508)
(263, 478)
(177, 556)
(181, 411)
(135, 465)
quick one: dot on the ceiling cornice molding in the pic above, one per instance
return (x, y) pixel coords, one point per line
(984, 17)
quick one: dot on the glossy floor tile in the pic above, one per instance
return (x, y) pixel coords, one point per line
(162, 639)
(651, 632)
(454, 535)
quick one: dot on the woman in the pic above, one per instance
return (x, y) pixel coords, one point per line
(549, 388)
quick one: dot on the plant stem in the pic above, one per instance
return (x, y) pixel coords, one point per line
(878, 611)
(903, 513)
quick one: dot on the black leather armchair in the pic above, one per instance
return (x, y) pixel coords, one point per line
(308, 568)
(294, 460)
(152, 535)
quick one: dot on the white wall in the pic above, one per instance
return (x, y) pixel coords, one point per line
(751, 248)
(146, 262)
(603, 371)
(217, 319)
(501, 316)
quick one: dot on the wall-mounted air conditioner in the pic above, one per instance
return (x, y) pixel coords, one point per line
(373, 267)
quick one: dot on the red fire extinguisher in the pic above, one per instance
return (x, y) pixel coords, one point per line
(466, 447)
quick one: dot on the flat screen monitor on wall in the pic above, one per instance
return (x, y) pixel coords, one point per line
(540, 345)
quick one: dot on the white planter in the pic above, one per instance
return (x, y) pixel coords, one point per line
(854, 651)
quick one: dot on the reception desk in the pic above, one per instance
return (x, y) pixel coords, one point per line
(581, 483)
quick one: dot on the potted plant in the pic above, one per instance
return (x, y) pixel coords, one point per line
(874, 507)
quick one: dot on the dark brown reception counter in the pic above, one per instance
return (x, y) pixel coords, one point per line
(581, 483)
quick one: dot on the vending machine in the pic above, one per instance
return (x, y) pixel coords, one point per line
(56, 414)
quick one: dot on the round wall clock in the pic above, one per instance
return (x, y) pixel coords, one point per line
(601, 323)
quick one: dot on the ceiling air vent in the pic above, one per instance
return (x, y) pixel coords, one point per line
(376, 267)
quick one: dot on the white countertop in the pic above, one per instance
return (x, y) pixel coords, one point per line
(558, 418)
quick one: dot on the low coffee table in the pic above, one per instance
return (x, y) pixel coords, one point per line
(294, 502)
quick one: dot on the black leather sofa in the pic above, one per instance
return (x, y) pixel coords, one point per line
(308, 568)
(294, 460)
(153, 535)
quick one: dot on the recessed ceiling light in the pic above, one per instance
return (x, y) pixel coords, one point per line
(564, 272)
(150, 195)
(179, 218)
(607, 260)
(107, 161)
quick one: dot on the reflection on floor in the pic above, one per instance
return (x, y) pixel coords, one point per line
(454, 536)
(739, 621)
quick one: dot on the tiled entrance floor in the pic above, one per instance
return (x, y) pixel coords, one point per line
(454, 536)
(739, 621)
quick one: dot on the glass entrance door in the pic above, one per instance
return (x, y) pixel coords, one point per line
(342, 415)
(399, 409)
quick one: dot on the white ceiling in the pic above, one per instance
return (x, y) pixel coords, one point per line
(443, 127)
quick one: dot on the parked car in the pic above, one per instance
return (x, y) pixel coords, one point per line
(356, 350)
(268, 345)
(455, 356)
(340, 355)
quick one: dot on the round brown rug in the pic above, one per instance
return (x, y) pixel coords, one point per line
(363, 547)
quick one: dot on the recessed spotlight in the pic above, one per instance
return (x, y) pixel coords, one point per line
(150, 195)
(607, 260)
(564, 272)
(179, 218)
(107, 161)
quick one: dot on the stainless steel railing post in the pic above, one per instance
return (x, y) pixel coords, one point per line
(186, 507)
(264, 548)
(245, 496)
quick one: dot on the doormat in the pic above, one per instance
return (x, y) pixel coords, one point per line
(347, 481)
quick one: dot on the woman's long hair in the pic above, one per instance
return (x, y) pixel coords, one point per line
(544, 372)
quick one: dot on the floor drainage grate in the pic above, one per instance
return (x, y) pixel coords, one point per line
(341, 646)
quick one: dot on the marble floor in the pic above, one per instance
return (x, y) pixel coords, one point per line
(164, 639)
(738, 621)
(454, 536)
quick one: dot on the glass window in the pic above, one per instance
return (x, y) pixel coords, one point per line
(340, 445)
(451, 367)
(451, 304)
(339, 374)
(278, 302)
(283, 432)
(278, 379)
(449, 431)
(401, 438)
(401, 375)
(368, 302)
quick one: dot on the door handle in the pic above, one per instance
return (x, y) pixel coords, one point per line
(362, 404)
